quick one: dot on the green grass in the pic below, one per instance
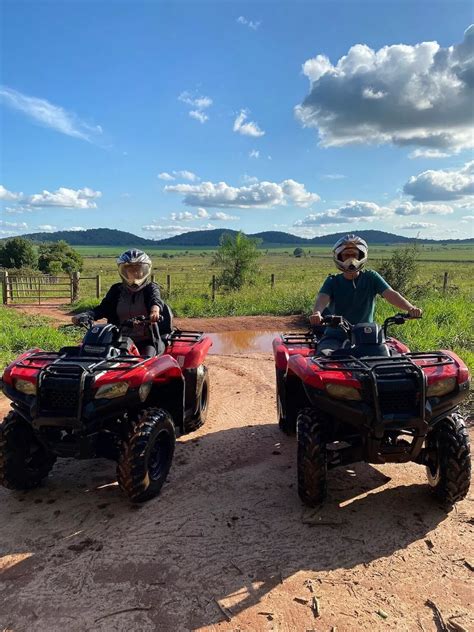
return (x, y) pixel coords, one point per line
(19, 333)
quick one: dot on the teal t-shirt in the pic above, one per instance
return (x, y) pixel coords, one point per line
(357, 303)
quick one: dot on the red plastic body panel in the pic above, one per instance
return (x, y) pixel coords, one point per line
(189, 354)
(397, 345)
(311, 374)
(435, 373)
(282, 352)
(159, 369)
(12, 372)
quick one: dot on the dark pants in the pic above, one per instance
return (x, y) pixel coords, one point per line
(147, 349)
(329, 343)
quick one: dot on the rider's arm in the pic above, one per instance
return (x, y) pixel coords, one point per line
(107, 308)
(153, 301)
(322, 301)
(397, 300)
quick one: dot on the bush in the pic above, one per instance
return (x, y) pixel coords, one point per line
(298, 252)
(18, 253)
(237, 256)
(58, 257)
(400, 271)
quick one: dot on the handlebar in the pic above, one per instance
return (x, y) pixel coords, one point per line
(340, 322)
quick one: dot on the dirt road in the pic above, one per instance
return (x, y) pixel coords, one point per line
(227, 545)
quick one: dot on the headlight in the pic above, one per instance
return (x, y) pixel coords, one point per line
(343, 392)
(109, 391)
(442, 387)
(28, 388)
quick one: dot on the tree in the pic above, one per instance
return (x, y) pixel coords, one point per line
(58, 257)
(237, 257)
(18, 253)
(298, 252)
(401, 269)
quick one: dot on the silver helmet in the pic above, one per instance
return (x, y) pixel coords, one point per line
(134, 267)
(360, 248)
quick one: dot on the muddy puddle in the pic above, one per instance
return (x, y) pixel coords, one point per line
(232, 342)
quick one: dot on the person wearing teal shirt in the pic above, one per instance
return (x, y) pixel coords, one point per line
(352, 293)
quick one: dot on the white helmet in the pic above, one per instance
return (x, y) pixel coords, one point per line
(134, 267)
(354, 243)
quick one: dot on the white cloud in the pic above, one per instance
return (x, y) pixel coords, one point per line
(406, 95)
(49, 115)
(332, 176)
(255, 153)
(198, 103)
(442, 185)
(252, 25)
(428, 153)
(47, 228)
(249, 179)
(9, 195)
(66, 198)
(408, 208)
(351, 212)
(258, 195)
(76, 229)
(18, 225)
(220, 216)
(202, 117)
(183, 216)
(468, 217)
(416, 226)
(201, 214)
(182, 175)
(246, 129)
(169, 230)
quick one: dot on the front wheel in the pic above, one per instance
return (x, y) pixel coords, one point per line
(311, 458)
(24, 461)
(448, 459)
(145, 458)
(201, 403)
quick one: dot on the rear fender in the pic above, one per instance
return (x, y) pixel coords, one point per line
(189, 355)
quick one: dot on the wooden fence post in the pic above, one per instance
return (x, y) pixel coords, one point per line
(98, 287)
(168, 283)
(445, 282)
(213, 287)
(5, 287)
(76, 276)
(272, 281)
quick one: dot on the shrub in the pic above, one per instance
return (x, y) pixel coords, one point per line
(18, 253)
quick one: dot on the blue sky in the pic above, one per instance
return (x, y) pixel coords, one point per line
(307, 117)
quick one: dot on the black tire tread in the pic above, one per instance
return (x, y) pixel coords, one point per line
(311, 458)
(131, 475)
(199, 419)
(14, 474)
(455, 460)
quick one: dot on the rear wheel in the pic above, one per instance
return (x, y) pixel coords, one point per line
(449, 463)
(145, 458)
(24, 461)
(311, 458)
(202, 403)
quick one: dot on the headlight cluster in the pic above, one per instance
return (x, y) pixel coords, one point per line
(441, 387)
(25, 387)
(110, 391)
(343, 392)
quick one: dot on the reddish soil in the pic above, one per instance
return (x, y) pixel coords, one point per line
(227, 545)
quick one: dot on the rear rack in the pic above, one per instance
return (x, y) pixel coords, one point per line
(299, 338)
(185, 336)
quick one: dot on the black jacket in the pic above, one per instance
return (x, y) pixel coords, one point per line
(108, 307)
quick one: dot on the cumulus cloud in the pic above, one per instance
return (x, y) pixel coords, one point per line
(406, 95)
(245, 22)
(442, 185)
(332, 176)
(428, 153)
(255, 153)
(258, 195)
(246, 128)
(76, 229)
(169, 230)
(353, 211)
(201, 214)
(45, 113)
(408, 208)
(416, 226)
(47, 228)
(9, 196)
(17, 225)
(198, 103)
(66, 198)
(180, 175)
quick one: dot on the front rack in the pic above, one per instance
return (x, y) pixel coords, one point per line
(351, 363)
(86, 363)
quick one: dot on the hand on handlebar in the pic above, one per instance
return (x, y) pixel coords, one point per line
(155, 314)
(82, 319)
(315, 319)
(415, 312)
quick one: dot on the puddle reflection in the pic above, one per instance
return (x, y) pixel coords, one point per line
(228, 342)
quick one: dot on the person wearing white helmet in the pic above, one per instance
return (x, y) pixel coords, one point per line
(352, 293)
(135, 296)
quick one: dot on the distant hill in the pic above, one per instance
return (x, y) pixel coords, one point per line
(211, 238)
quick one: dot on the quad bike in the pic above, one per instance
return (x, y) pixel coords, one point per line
(374, 401)
(103, 399)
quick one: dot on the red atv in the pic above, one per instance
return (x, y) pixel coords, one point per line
(374, 401)
(103, 399)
